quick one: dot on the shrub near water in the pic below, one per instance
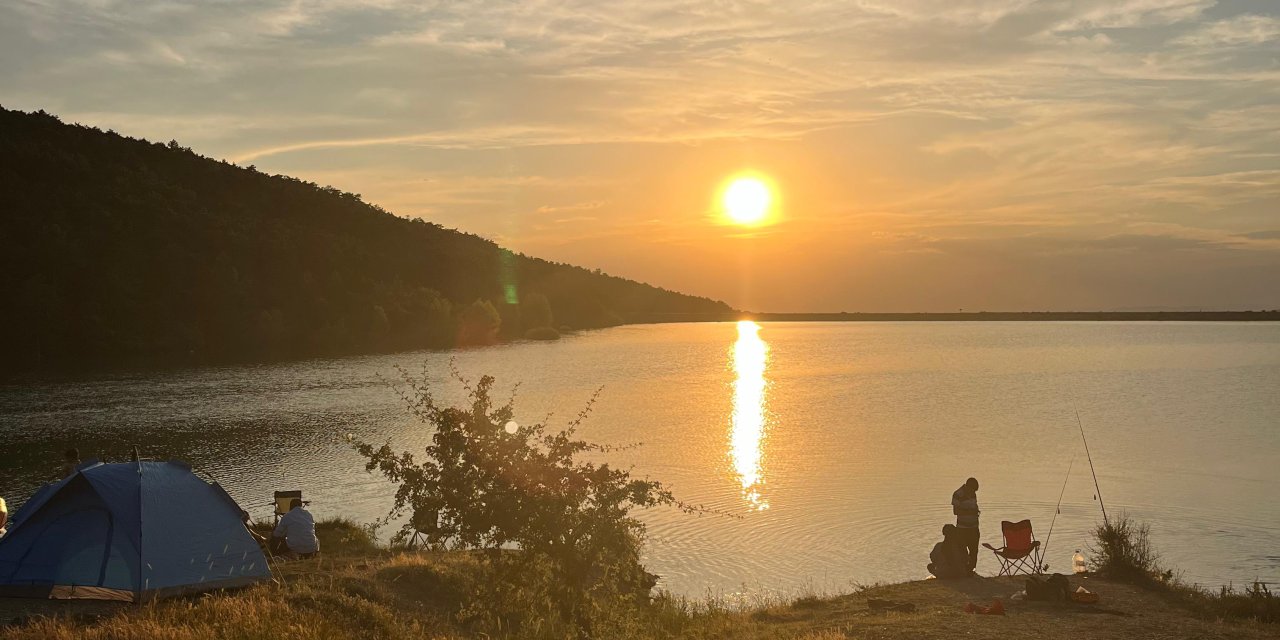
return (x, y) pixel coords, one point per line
(1122, 550)
(555, 532)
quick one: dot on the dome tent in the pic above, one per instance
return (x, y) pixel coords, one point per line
(128, 531)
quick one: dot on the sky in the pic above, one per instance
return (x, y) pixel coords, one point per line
(925, 155)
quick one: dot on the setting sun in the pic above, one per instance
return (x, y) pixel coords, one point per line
(746, 201)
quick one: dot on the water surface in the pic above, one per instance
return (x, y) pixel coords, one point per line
(837, 444)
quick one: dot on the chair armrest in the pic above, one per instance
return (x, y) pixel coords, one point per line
(992, 548)
(1035, 544)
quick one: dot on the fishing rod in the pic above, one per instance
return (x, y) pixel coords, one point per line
(1096, 488)
(1056, 510)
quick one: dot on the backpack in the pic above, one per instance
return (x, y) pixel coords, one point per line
(1055, 588)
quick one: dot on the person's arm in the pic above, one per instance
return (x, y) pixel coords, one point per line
(282, 527)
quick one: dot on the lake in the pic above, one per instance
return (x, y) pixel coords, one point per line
(837, 444)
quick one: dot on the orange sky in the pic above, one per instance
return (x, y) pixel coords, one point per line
(928, 155)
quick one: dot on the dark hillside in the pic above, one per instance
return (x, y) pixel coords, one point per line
(122, 250)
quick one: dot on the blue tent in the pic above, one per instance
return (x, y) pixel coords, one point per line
(130, 531)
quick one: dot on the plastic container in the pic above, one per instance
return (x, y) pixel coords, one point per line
(1077, 563)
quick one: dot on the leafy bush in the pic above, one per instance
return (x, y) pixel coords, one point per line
(556, 531)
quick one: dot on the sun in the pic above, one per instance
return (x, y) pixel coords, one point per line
(746, 201)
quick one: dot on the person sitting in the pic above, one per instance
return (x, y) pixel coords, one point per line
(297, 531)
(949, 559)
(70, 460)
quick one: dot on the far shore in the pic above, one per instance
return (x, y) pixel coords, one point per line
(1272, 315)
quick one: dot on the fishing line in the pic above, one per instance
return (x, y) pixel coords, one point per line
(1096, 488)
(1056, 510)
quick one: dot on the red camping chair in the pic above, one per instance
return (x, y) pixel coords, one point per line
(1021, 551)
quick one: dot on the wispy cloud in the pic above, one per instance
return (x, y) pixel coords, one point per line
(1002, 120)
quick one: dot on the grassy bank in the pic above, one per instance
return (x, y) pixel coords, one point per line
(358, 590)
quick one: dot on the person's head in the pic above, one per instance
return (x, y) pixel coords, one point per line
(972, 484)
(72, 455)
(294, 504)
(948, 530)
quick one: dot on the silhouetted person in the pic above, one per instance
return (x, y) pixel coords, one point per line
(70, 460)
(298, 531)
(949, 559)
(964, 503)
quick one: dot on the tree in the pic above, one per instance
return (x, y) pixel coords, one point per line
(488, 483)
(118, 249)
(535, 311)
(478, 324)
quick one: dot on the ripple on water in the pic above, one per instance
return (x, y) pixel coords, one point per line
(866, 429)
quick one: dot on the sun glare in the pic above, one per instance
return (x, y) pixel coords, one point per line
(747, 426)
(746, 201)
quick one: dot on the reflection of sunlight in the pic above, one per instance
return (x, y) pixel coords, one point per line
(749, 356)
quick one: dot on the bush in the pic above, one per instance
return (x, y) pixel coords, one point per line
(542, 333)
(1121, 549)
(556, 531)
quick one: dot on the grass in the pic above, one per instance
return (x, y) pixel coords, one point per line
(357, 590)
(1122, 550)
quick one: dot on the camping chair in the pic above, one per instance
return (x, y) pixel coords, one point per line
(282, 501)
(1021, 552)
(425, 523)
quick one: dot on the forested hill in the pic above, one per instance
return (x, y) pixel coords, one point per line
(122, 250)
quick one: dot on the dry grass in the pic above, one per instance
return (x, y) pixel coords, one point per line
(356, 591)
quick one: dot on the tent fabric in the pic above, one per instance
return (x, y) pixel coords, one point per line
(43, 494)
(135, 531)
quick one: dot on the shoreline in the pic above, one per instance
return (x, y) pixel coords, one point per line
(53, 372)
(973, 316)
(358, 589)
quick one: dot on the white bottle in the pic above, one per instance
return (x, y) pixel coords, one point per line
(1077, 563)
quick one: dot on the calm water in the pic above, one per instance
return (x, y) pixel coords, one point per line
(838, 443)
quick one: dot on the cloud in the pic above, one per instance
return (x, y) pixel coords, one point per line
(1271, 234)
(1236, 31)
(1000, 121)
(577, 206)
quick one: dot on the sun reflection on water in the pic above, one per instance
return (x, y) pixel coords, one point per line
(750, 355)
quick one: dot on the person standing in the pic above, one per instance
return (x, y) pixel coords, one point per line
(298, 531)
(964, 504)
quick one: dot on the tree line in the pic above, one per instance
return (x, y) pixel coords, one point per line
(118, 249)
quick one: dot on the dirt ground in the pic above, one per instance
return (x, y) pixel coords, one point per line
(1124, 611)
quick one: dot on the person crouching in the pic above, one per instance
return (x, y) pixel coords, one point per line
(948, 558)
(295, 534)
